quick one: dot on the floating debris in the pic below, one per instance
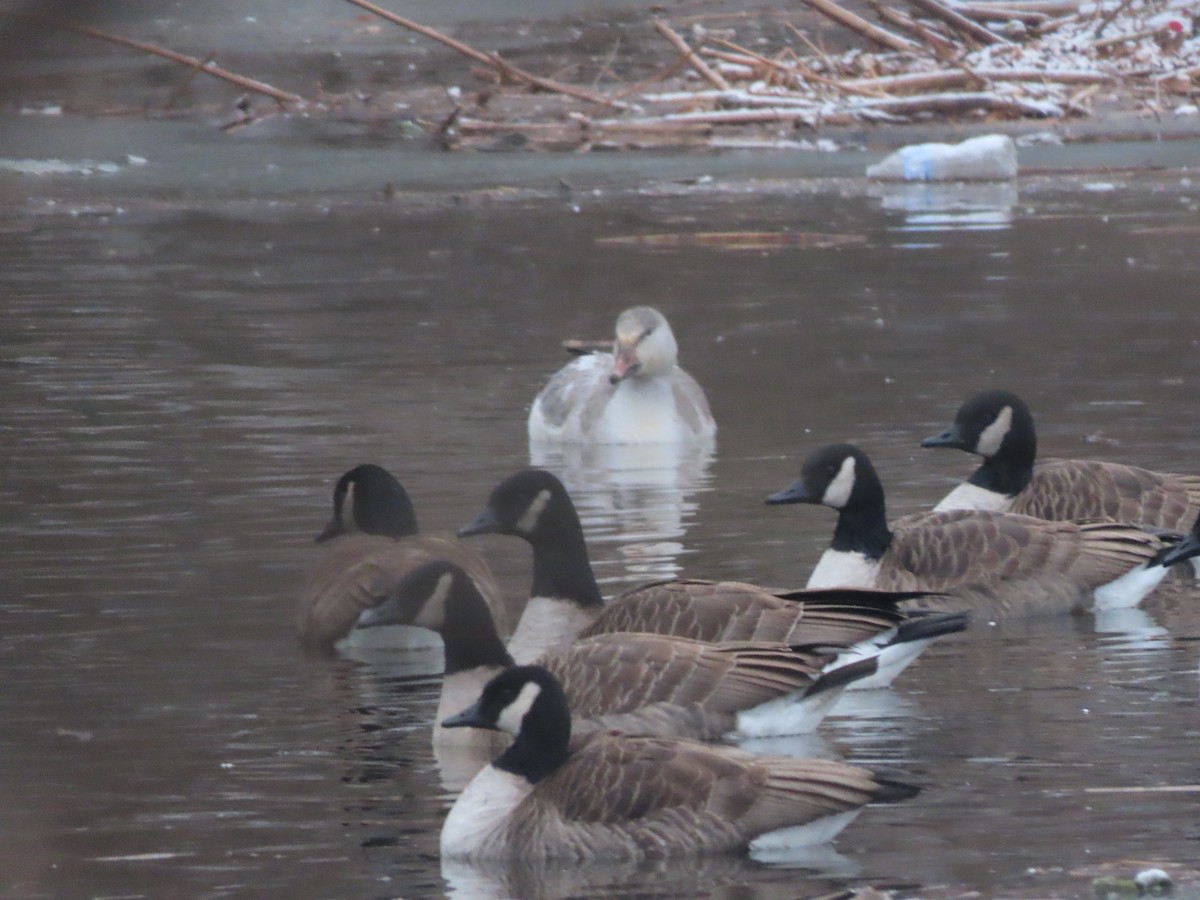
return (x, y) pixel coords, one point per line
(738, 240)
(990, 157)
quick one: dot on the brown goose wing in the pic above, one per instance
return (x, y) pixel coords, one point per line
(677, 796)
(735, 611)
(1009, 560)
(359, 571)
(619, 673)
(1090, 489)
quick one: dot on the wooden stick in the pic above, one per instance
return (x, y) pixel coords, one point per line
(193, 71)
(456, 46)
(821, 54)
(923, 81)
(513, 73)
(942, 48)
(1049, 7)
(1122, 38)
(994, 12)
(808, 74)
(1187, 73)
(716, 79)
(959, 22)
(249, 84)
(873, 33)
(485, 126)
(662, 75)
(952, 102)
(1054, 24)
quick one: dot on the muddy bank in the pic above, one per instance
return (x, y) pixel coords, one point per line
(93, 128)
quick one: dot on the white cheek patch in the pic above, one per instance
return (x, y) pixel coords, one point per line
(347, 510)
(837, 494)
(513, 714)
(529, 519)
(433, 610)
(992, 437)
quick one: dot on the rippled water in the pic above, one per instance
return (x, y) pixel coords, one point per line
(181, 389)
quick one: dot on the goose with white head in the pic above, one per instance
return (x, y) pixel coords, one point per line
(637, 394)
(616, 797)
(565, 602)
(998, 563)
(998, 426)
(371, 542)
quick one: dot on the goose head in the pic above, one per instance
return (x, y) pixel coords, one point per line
(531, 504)
(991, 424)
(528, 702)
(426, 596)
(442, 597)
(369, 499)
(839, 476)
(644, 347)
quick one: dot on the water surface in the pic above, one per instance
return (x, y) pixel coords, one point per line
(183, 386)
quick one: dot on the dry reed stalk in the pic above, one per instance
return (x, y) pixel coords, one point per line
(820, 79)
(249, 84)
(994, 12)
(716, 79)
(960, 23)
(820, 52)
(873, 33)
(943, 49)
(505, 68)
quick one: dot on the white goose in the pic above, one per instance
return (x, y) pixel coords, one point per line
(637, 394)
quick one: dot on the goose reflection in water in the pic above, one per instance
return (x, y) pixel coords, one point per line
(714, 875)
(641, 497)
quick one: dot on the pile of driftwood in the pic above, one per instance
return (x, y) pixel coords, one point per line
(934, 59)
(931, 59)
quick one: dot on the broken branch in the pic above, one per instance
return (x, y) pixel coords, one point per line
(712, 77)
(201, 65)
(513, 73)
(958, 22)
(873, 33)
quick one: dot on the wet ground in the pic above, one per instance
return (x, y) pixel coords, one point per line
(202, 330)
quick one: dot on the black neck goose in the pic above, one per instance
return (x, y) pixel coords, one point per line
(611, 796)
(998, 426)
(637, 394)
(637, 683)
(1000, 563)
(371, 543)
(565, 602)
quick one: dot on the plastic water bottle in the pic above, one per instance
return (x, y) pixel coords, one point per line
(991, 157)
